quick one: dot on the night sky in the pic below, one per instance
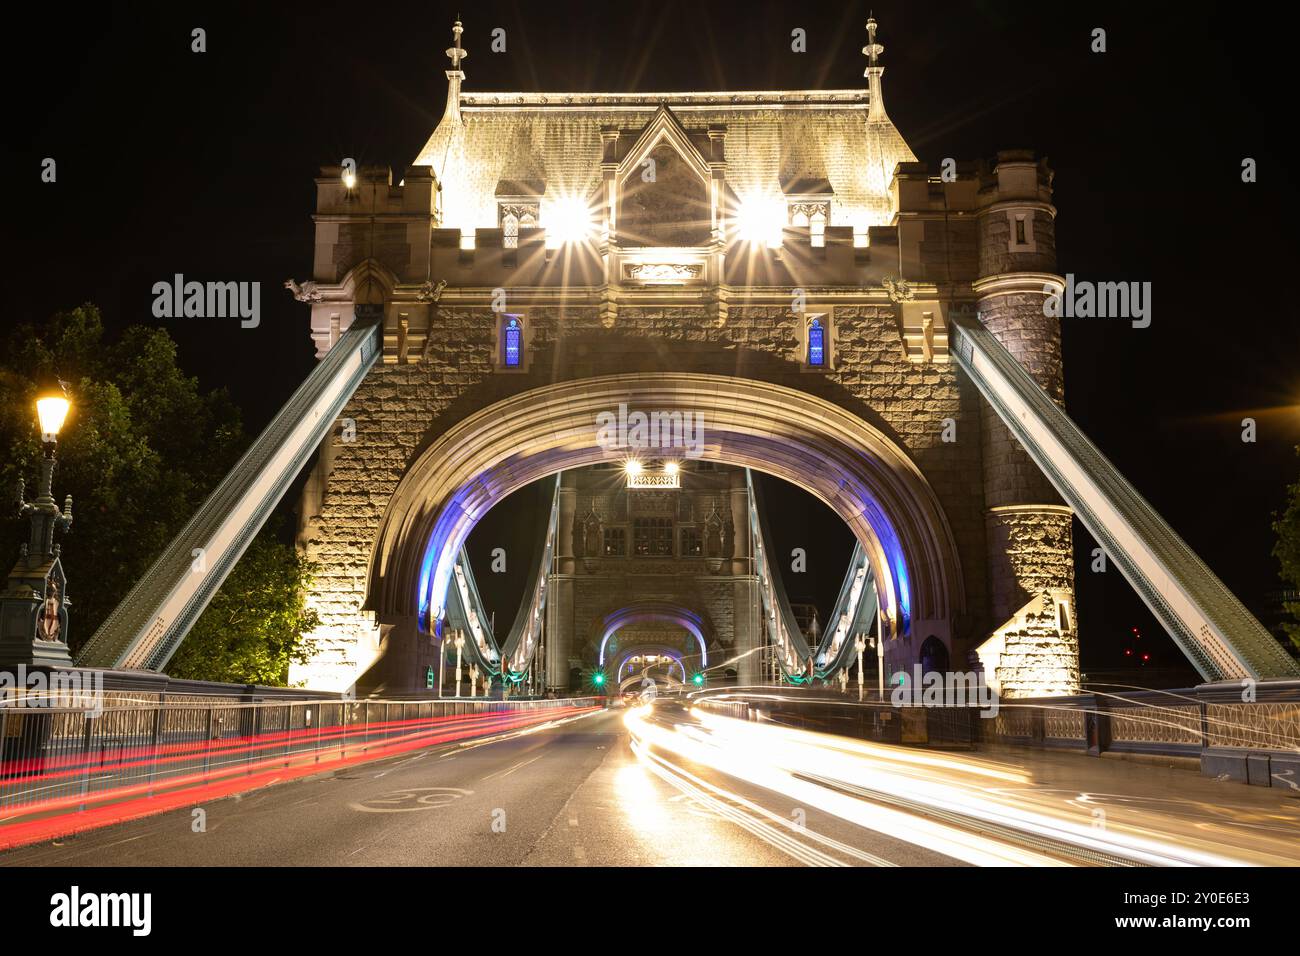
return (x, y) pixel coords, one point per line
(170, 161)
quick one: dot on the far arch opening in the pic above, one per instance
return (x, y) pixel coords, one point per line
(653, 612)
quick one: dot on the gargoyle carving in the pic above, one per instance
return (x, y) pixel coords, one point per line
(430, 292)
(900, 290)
(307, 292)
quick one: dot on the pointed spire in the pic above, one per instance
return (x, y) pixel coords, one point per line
(455, 75)
(874, 71)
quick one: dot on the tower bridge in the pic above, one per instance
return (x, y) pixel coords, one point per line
(775, 265)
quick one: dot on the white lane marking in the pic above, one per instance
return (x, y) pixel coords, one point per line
(467, 745)
(401, 763)
(519, 766)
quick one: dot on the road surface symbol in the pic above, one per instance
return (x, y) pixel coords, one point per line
(411, 798)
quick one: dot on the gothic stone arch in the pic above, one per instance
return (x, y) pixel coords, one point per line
(434, 451)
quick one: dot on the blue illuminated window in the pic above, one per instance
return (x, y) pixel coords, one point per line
(511, 342)
(816, 343)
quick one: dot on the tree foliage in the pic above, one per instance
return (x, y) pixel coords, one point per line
(141, 448)
(250, 633)
(1287, 552)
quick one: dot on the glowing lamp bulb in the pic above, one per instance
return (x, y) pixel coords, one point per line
(633, 467)
(568, 220)
(51, 410)
(671, 468)
(349, 179)
(760, 220)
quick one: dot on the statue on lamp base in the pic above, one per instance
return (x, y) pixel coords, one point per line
(34, 615)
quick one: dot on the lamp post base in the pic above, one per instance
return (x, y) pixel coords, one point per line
(34, 616)
(33, 653)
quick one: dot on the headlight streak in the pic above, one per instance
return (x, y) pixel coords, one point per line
(691, 785)
(810, 768)
(683, 781)
(1150, 712)
(894, 755)
(800, 752)
(737, 759)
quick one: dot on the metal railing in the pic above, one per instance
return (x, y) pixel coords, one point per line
(62, 759)
(1247, 733)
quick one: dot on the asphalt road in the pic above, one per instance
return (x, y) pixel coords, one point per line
(685, 787)
(570, 794)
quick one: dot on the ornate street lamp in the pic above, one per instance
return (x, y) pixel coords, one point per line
(34, 603)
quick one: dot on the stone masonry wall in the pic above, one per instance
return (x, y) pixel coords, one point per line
(1018, 321)
(1037, 548)
(1038, 659)
(607, 590)
(996, 256)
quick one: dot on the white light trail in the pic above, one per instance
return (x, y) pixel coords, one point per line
(817, 769)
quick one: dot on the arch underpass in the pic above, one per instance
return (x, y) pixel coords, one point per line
(862, 475)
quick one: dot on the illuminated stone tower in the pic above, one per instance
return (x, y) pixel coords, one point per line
(1031, 568)
(776, 262)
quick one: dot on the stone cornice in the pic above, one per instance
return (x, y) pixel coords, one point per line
(1032, 509)
(648, 102)
(1002, 204)
(638, 296)
(1008, 283)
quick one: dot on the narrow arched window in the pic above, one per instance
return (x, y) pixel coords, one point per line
(816, 343)
(512, 340)
(817, 229)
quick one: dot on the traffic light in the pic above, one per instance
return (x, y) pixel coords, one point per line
(698, 680)
(598, 678)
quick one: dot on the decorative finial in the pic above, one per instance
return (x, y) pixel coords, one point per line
(456, 53)
(455, 75)
(873, 72)
(872, 49)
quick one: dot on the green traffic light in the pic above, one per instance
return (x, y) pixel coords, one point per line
(698, 679)
(598, 679)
